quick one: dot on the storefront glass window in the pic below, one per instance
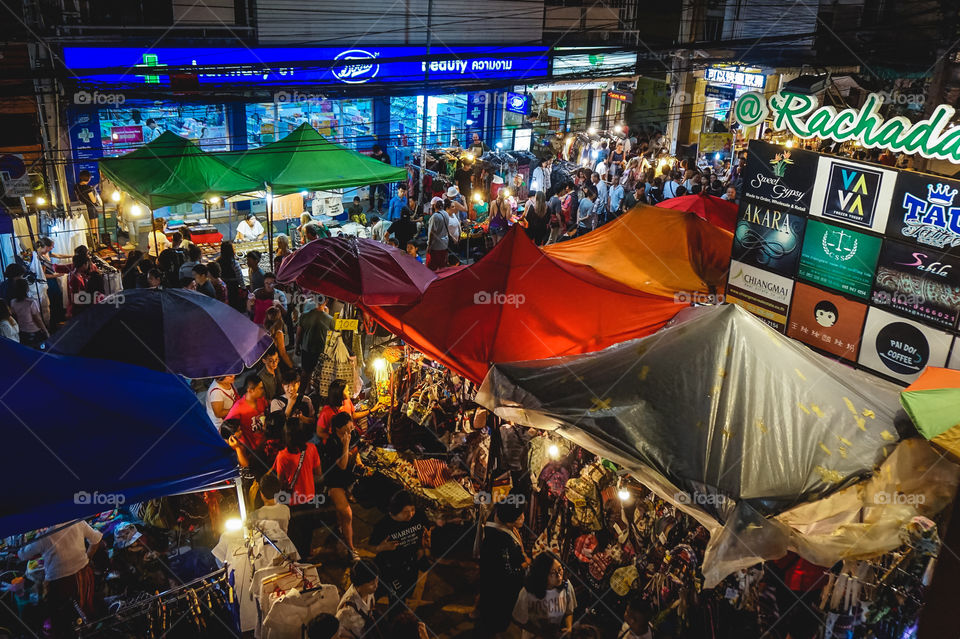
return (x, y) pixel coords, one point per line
(346, 122)
(446, 122)
(130, 127)
(577, 105)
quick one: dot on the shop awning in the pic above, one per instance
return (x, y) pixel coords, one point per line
(172, 170)
(654, 250)
(516, 304)
(85, 435)
(306, 161)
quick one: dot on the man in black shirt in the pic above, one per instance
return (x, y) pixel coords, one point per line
(403, 229)
(88, 196)
(399, 540)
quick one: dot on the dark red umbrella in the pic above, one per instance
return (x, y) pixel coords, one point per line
(717, 211)
(357, 270)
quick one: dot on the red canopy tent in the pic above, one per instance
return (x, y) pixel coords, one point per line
(715, 210)
(519, 304)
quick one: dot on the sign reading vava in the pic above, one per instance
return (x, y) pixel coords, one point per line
(779, 176)
(768, 237)
(901, 348)
(764, 294)
(923, 211)
(923, 284)
(839, 258)
(801, 115)
(853, 193)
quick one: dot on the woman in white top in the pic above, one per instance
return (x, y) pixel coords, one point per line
(8, 325)
(355, 611)
(221, 396)
(157, 241)
(545, 606)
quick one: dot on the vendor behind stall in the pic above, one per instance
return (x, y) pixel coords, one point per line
(69, 577)
(249, 230)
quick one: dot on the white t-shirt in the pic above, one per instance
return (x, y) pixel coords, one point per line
(379, 230)
(602, 169)
(453, 227)
(625, 633)
(216, 393)
(152, 242)
(10, 331)
(547, 612)
(64, 552)
(351, 621)
(279, 513)
(249, 233)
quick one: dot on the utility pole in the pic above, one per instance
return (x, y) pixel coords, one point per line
(426, 104)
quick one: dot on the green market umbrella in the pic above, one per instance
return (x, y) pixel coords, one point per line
(172, 170)
(933, 403)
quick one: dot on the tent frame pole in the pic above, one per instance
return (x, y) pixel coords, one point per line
(269, 190)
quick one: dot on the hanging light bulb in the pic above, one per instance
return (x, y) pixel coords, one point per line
(553, 451)
(233, 524)
(622, 491)
(136, 210)
(115, 196)
(618, 129)
(40, 201)
(215, 200)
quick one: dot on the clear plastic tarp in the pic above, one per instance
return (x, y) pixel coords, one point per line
(739, 426)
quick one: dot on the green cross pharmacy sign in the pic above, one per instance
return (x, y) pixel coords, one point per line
(802, 116)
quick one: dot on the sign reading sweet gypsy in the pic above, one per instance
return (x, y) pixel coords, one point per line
(778, 176)
(768, 237)
(923, 284)
(923, 211)
(802, 116)
(839, 258)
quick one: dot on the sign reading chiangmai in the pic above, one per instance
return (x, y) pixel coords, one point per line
(802, 116)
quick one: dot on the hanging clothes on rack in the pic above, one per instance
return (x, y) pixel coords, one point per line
(291, 612)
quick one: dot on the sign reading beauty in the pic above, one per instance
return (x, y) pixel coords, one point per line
(802, 116)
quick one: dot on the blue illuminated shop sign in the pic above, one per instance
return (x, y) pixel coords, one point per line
(517, 103)
(296, 65)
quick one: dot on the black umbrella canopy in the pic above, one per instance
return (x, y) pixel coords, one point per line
(172, 330)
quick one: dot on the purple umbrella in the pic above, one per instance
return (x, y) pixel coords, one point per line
(172, 330)
(357, 271)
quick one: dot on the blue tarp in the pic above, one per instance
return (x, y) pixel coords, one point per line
(83, 435)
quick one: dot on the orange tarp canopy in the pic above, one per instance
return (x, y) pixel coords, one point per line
(519, 304)
(654, 250)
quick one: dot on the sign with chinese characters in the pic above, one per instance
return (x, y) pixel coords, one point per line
(721, 75)
(923, 284)
(839, 258)
(768, 237)
(288, 66)
(764, 294)
(780, 177)
(853, 193)
(923, 211)
(826, 321)
(899, 347)
(802, 115)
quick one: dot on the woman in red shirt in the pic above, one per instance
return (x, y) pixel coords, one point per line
(337, 401)
(298, 466)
